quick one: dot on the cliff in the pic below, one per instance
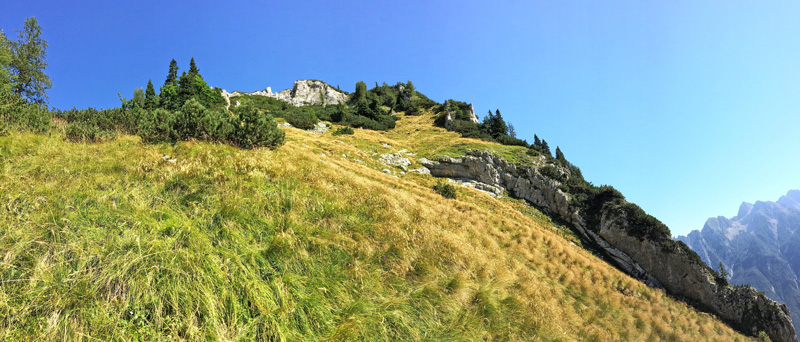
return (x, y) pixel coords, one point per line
(620, 234)
(758, 246)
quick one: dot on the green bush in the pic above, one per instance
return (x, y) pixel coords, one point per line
(343, 131)
(86, 131)
(302, 119)
(445, 189)
(252, 129)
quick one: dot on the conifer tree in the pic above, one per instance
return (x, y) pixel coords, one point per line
(560, 155)
(536, 141)
(361, 92)
(546, 149)
(149, 96)
(193, 68)
(172, 76)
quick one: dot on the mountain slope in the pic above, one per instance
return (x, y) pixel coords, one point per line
(759, 246)
(311, 241)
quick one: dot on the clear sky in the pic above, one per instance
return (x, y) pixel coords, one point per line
(687, 107)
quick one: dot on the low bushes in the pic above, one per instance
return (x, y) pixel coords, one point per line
(445, 189)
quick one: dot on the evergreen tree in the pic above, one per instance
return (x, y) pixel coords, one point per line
(172, 76)
(193, 68)
(546, 149)
(560, 155)
(536, 141)
(28, 63)
(499, 127)
(360, 93)
(150, 96)
(511, 131)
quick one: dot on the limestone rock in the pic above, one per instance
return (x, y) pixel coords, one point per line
(661, 264)
(303, 93)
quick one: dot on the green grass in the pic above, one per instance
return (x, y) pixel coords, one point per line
(126, 241)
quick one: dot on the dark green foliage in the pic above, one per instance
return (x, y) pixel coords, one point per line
(17, 113)
(302, 119)
(361, 92)
(253, 129)
(445, 189)
(495, 125)
(150, 99)
(343, 131)
(721, 277)
(560, 156)
(172, 75)
(193, 68)
(87, 131)
(29, 62)
(493, 128)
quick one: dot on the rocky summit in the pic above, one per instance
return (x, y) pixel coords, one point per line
(759, 246)
(303, 93)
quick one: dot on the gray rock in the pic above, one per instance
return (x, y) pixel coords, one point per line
(660, 264)
(395, 159)
(303, 93)
(387, 171)
(423, 170)
(758, 246)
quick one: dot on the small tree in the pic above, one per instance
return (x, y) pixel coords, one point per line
(150, 96)
(193, 68)
(361, 92)
(546, 149)
(511, 131)
(253, 129)
(560, 155)
(29, 62)
(722, 271)
(172, 75)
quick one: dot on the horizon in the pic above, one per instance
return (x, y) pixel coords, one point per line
(687, 109)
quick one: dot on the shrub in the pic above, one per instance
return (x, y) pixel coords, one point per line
(343, 131)
(447, 190)
(87, 131)
(252, 129)
(302, 119)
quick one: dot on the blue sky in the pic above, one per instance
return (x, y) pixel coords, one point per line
(688, 108)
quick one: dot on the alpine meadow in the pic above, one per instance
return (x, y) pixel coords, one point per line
(324, 213)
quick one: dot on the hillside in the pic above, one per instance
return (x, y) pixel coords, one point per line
(312, 240)
(758, 246)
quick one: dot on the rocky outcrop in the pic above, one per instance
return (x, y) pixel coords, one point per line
(303, 93)
(660, 263)
(758, 246)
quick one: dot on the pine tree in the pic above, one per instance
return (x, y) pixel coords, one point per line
(193, 68)
(536, 141)
(29, 62)
(560, 155)
(498, 127)
(149, 96)
(172, 76)
(546, 149)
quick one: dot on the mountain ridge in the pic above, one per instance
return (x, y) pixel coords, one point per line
(757, 246)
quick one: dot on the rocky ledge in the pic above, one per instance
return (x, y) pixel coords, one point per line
(303, 93)
(658, 262)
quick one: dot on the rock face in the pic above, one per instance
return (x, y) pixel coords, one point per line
(758, 246)
(659, 263)
(303, 93)
(449, 119)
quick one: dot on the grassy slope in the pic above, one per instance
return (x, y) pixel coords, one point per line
(111, 241)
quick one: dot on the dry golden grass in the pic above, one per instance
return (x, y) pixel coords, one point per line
(362, 254)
